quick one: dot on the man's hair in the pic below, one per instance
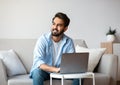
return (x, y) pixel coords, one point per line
(62, 16)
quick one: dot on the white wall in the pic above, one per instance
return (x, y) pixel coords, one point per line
(90, 19)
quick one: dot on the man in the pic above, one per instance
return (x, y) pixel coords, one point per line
(49, 49)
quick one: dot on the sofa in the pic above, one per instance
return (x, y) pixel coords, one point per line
(105, 71)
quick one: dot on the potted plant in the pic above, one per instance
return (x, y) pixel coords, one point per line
(111, 35)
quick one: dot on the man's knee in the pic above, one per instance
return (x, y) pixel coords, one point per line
(40, 74)
(37, 74)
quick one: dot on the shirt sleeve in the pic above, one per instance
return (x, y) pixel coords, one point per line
(39, 52)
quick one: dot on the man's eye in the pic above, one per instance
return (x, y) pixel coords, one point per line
(60, 25)
(53, 23)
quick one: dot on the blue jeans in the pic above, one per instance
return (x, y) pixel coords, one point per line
(39, 76)
(76, 81)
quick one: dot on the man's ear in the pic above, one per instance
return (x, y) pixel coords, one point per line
(65, 29)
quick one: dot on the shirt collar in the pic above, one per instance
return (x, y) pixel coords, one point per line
(64, 39)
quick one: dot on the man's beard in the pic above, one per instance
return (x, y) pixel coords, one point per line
(56, 33)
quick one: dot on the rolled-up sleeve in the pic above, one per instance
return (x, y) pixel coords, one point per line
(39, 52)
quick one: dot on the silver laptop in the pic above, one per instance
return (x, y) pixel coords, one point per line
(74, 63)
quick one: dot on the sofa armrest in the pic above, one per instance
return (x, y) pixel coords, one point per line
(108, 65)
(3, 75)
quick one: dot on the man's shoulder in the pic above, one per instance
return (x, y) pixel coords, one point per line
(68, 38)
(44, 38)
(45, 35)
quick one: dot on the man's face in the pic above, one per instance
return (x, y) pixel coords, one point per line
(58, 27)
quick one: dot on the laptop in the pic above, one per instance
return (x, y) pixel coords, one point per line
(74, 63)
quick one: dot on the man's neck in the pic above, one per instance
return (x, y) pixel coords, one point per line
(57, 38)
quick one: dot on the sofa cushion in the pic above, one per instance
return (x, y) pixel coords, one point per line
(80, 42)
(12, 63)
(20, 80)
(94, 56)
(100, 79)
(25, 80)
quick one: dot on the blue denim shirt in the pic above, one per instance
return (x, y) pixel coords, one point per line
(43, 51)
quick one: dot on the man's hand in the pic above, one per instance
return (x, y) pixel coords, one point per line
(58, 70)
(48, 68)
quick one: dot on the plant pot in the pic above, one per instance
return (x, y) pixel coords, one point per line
(110, 38)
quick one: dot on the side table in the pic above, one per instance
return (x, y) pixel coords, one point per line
(72, 76)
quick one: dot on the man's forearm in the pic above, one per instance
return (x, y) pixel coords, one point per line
(48, 68)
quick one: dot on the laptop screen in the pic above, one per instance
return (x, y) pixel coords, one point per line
(74, 63)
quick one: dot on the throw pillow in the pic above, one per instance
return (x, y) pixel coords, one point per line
(12, 63)
(94, 56)
(80, 42)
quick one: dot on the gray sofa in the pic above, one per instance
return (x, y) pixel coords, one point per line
(105, 72)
